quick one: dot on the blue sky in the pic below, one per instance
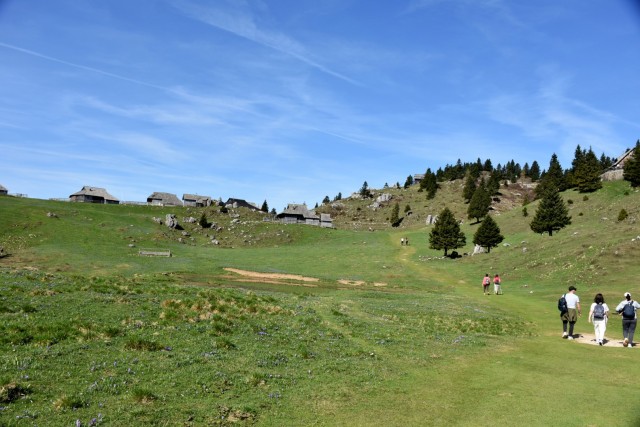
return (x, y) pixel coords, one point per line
(290, 101)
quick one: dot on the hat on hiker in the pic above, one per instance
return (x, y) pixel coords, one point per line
(627, 294)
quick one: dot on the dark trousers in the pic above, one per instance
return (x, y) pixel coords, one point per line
(629, 328)
(571, 325)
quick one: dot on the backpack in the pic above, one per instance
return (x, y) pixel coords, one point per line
(629, 311)
(598, 312)
(562, 304)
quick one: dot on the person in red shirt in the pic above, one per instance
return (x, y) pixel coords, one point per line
(486, 281)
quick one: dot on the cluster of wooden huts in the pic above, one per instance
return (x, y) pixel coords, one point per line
(293, 214)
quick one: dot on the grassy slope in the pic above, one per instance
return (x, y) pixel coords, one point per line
(406, 355)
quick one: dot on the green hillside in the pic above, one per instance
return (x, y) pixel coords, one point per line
(277, 324)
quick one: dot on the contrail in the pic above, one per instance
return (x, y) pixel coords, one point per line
(83, 67)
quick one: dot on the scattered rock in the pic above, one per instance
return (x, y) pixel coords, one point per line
(171, 221)
(479, 250)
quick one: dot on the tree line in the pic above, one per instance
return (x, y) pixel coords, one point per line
(551, 215)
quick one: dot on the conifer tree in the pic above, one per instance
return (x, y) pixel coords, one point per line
(479, 204)
(631, 169)
(326, 200)
(364, 190)
(409, 182)
(586, 176)
(265, 207)
(446, 233)
(551, 215)
(203, 222)
(488, 234)
(553, 180)
(534, 171)
(493, 185)
(430, 184)
(469, 188)
(395, 214)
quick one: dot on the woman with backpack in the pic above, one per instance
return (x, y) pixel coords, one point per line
(496, 285)
(627, 308)
(486, 281)
(598, 315)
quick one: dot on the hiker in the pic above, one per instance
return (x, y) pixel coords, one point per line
(599, 315)
(571, 315)
(486, 281)
(406, 241)
(402, 241)
(627, 308)
(496, 285)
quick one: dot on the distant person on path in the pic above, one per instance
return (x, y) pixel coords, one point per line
(627, 308)
(599, 315)
(496, 285)
(486, 281)
(571, 315)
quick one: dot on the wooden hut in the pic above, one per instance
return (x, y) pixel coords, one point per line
(163, 199)
(90, 194)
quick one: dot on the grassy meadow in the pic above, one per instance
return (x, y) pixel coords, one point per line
(301, 326)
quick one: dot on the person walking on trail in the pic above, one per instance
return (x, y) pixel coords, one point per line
(570, 316)
(486, 281)
(496, 285)
(627, 308)
(599, 315)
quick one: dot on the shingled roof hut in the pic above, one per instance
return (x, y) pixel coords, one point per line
(3, 191)
(196, 200)
(163, 199)
(240, 203)
(90, 194)
(300, 214)
(616, 171)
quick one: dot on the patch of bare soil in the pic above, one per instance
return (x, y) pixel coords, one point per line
(287, 279)
(591, 340)
(351, 282)
(273, 278)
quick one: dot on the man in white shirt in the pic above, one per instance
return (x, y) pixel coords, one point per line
(571, 315)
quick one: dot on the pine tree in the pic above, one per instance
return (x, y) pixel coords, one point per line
(551, 215)
(469, 188)
(364, 190)
(203, 222)
(586, 176)
(409, 182)
(534, 171)
(553, 180)
(326, 200)
(493, 185)
(395, 214)
(479, 204)
(605, 162)
(631, 169)
(488, 234)
(446, 233)
(430, 184)
(265, 207)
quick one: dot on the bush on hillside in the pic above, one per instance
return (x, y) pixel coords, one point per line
(622, 215)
